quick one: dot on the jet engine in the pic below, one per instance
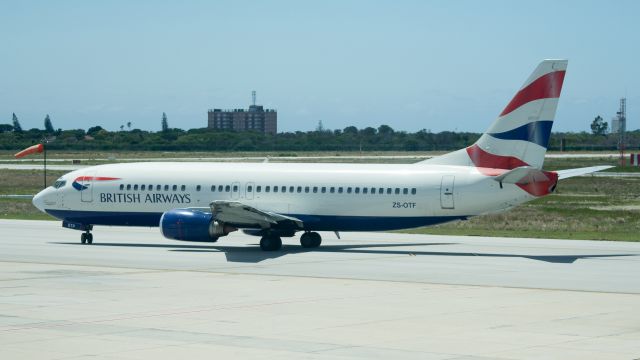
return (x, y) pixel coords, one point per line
(192, 225)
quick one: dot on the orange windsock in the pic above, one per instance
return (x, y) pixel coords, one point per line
(30, 150)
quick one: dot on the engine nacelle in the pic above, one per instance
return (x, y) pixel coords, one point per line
(192, 225)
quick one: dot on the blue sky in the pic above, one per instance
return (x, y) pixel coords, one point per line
(438, 65)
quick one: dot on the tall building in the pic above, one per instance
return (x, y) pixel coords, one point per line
(256, 118)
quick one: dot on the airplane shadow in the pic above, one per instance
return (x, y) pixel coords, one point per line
(254, 254)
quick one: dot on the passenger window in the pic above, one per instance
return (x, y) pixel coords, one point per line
(249, 188)
(373, 190)
(413, 191)
(275, 189)
(299, 189)
(389, 191)
(364, 190)
(142, 187)
(405, 191)
(198, 188)
(306, 189)
(235, 188)
(227, 188)
(174, 187)
(283, 189)
(291, 188)
(158, 187)
(315, 189)
(340, 190)
(323, 190)
(121, 186)
(166, 188)
(183, 188)
(381, 191)
(397, 191)
(258, 188)
(349, 190)
(220, 188)
(128, 186)
(267, 188)
(332, 190)
(150, 188)
(357, 190)
(135, 187)
(213, 188)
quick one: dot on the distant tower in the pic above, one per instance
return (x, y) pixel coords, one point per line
(620, 127)
(253, 97)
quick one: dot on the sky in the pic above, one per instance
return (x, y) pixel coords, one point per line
(435, 65)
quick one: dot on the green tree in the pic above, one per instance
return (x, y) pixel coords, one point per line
(165, 123)
(5, 128)
(129, 125)
(48, 127)
(599, 126)
(93, 130)
(385, 129)
(16, 124)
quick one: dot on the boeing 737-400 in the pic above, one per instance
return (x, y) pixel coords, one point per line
(195, 201)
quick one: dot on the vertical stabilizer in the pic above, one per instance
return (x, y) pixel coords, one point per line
(520, 134)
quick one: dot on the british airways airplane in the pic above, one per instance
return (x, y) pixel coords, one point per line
(205, 201)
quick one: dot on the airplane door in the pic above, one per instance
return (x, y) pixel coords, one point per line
(235, 190)
(248, 191)
(86, 188)
(446, 192)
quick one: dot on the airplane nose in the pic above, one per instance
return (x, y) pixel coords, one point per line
(38, 200)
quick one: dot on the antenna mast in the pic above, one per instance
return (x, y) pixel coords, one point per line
(622, 128)
(253, 97)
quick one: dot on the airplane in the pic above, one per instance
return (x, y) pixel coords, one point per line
(195, 201)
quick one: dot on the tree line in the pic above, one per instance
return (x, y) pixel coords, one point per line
(382, 138)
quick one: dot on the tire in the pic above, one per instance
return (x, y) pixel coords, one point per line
(270, 243)
(83, 238)
(89, 238)
(306, 240)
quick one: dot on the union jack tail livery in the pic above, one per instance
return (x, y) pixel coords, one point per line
(520, 134)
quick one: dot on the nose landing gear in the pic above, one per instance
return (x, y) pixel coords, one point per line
(86, 237)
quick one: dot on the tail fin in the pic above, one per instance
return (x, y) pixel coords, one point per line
(520, 134)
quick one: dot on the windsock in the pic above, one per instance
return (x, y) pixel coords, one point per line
(38, 148)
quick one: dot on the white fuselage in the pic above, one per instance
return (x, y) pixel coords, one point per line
(336, 197)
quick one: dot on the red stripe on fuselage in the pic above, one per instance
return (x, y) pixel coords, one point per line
(95, 178)
(544, 87)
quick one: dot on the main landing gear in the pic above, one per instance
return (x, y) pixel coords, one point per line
(270, 242)
(310, 240)
(86, 237)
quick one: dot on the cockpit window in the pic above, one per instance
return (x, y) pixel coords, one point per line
(59, 183)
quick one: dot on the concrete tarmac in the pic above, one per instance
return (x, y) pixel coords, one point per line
(134, 295)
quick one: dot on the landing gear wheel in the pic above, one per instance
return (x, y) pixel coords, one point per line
(89, 238)
(83, 238)
(310, 240)
(270, 243)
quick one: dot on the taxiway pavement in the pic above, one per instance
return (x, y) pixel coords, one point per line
(134, 295)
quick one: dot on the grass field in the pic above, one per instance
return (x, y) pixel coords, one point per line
(599, 208)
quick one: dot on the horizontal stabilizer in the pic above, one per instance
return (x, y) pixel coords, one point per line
(563, 174)
(522, 175)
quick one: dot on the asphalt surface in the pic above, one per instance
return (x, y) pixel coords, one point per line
(134, 295)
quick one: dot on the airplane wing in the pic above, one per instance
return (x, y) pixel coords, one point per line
(563, 174)
(241, 215)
